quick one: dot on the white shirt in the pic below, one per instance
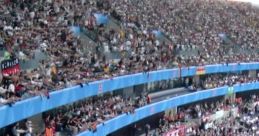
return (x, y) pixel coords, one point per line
(11, 88)
(3, 101)
(2, 90)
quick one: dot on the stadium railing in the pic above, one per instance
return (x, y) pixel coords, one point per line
(149, 110)
(32, 106)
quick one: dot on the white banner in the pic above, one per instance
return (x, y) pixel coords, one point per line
(179, 131)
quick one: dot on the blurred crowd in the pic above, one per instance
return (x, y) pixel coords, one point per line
(198, 32)
(219, 80)
(240, 118)
(213, 31)
(82, 116)
(91, 112)
(30, 25)
(88, 114)
(211, 26)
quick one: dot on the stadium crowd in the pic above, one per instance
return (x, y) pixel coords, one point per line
(216, 33)
(203, 24)
(211, 31)
(82, 116)
(240, 119)
(218, 80)
(87, 114)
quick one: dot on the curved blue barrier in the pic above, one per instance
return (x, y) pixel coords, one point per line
(149, 110)
(35, 105)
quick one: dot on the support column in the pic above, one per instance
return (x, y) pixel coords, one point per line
(196, 80)
(38, 123)
(128, 92)
(139, 89)
(252, 73)
(150, 86)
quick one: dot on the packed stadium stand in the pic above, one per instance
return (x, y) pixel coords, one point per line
(101, 67)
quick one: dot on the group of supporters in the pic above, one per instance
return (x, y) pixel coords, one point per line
(238, 117)
(198, 32)
(85, 115)
(151, 35)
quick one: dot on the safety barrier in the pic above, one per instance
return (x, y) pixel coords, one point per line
(32, 106)
(149, 110)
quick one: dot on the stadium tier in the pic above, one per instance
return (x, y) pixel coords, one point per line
(94, 67)
(41, 103)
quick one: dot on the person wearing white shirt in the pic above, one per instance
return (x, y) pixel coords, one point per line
(3, 101)
(2, 90)
(11, 88)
